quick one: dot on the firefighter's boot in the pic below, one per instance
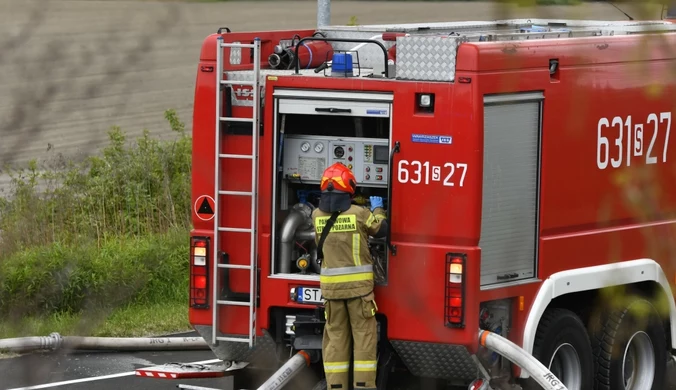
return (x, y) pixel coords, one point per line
(336, 346)
(362, 313)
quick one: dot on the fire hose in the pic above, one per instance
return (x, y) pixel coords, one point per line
(518, 356)
(286, 372)
(55, 341)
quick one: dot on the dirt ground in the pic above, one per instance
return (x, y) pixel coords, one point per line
(70, 69)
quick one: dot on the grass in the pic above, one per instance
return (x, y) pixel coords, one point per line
(99, 247)
(128, 321)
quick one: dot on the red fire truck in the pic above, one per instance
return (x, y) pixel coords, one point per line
(527, 168)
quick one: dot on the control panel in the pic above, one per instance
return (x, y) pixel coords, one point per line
(306, 158)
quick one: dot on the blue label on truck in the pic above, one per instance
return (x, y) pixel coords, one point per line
(375, 111)
(432, 139)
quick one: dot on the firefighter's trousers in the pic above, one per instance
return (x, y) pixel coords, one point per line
(350, 323)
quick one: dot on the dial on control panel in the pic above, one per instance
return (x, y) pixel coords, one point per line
(339, 152)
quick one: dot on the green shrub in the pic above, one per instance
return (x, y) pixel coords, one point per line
(107, 236)
(128, 190)
(99, 276)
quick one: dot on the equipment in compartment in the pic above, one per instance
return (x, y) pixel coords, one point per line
(315, 130)
(310, 54)
(298, 250)
(495, 316)
(306, 157)
(304, 160)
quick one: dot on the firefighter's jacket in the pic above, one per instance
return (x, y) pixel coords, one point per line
(347, 266)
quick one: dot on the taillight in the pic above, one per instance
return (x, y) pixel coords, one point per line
(199, 272)
(455, 290)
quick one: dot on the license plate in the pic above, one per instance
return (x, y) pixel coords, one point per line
(310, 295)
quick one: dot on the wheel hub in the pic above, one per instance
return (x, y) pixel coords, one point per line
(565, 364)
(638, 363)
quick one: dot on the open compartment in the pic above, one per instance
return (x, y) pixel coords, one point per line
(313, 130)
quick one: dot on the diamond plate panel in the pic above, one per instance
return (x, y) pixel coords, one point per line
(263, 355)
(426, 58)
(436, 360)
(235, 54)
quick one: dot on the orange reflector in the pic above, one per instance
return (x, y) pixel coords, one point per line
(521, 305)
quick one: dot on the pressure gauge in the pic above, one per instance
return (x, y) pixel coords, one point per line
(305, 146)
(319, 147)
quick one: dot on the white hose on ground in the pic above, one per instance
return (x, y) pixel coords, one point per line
(286, 372)
(56, 341)
(518, 356)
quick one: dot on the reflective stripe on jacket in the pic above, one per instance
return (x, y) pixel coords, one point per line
(347, 267)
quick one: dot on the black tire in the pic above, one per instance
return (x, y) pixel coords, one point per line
(321, 385)
(562, 344)
(610, 343)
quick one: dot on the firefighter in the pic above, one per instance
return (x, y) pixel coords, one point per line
(346, 278)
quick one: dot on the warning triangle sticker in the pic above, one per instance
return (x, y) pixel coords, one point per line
(205, 208)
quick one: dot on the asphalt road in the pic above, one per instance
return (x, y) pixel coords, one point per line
(103, 370)
(106, 370)
(113, 371)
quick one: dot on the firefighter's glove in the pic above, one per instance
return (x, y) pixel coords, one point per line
(376, 201)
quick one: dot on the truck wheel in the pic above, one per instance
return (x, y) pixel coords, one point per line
(630, 349)
(562, 345)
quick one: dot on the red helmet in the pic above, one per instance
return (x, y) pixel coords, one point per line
(338, 177)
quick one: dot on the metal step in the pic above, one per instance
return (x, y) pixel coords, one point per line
(234, 230)
(236, 156)
(234, 266)
(236, 119)
(238, 193)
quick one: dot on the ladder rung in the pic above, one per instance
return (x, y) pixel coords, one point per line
(238, 82)
(233, 303)
(233, 339)
(239, 193)
(239, 45)
(239, 156)
(235, 119)
(235, 230)
(234, 266)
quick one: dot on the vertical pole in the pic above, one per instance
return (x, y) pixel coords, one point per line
(217, 184)
(323, 13)
(255, 131)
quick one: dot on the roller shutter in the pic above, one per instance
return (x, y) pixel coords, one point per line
(510, 188)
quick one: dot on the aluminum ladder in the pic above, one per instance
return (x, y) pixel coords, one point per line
(252, 230)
